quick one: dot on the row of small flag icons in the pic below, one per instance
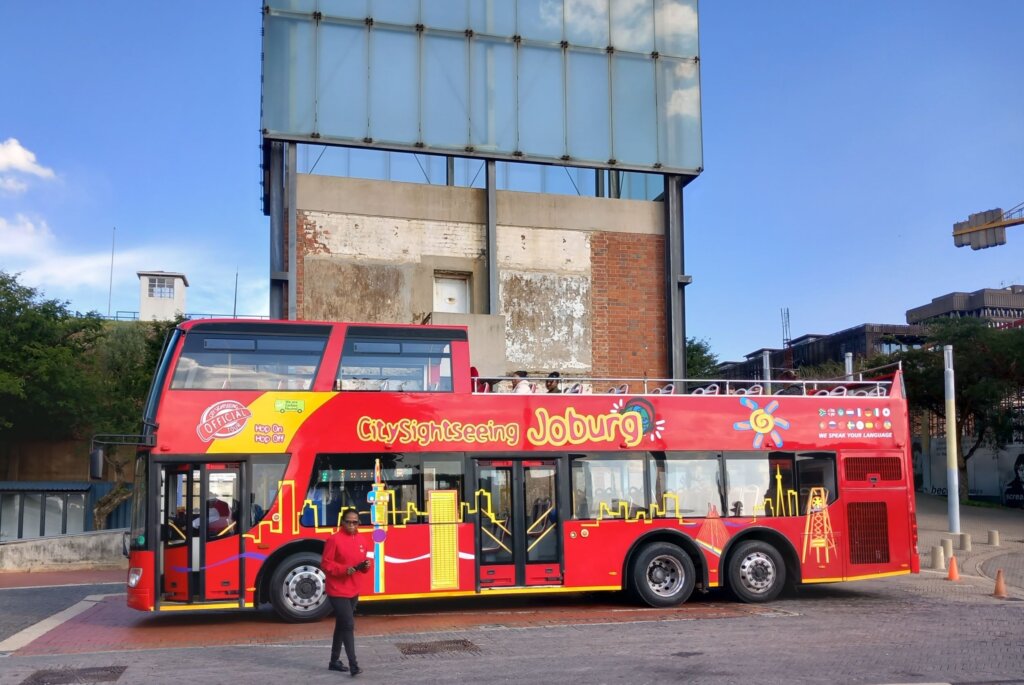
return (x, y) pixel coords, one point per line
(856, 425)
(856, 411)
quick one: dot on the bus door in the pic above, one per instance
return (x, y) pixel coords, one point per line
(200, 528)
(518, 537)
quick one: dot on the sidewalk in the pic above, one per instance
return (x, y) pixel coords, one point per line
(983, 559)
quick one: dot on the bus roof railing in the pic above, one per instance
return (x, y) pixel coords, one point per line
(688, 386)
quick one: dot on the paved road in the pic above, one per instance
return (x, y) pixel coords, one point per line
(22, 608)
(911, 629)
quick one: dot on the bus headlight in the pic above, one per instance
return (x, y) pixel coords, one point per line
(134, 576)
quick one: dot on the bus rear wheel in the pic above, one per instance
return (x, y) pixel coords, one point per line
(662, 575)
(298, 589)
(757, 572)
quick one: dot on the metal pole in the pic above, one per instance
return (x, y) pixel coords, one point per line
(234, 308)
(848, 365)
(952, 474)
(494, 303)
(766, 365)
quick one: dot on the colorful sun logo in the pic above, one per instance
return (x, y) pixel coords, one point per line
(652, 425)
(762, 422)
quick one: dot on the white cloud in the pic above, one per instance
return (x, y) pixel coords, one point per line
(11, 185)
(19, 160)
(23, 237)
(14, 157)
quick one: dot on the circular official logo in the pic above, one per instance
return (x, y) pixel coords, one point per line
(222, 420)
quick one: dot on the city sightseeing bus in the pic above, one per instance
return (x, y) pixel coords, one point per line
(260, 434)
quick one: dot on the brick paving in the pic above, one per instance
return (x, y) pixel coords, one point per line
(905, 629)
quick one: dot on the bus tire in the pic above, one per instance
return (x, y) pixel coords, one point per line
(298, 589)
(662, 575)
(757, 572)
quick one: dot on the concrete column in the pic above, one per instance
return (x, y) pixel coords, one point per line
(993, 538)
(938, 558)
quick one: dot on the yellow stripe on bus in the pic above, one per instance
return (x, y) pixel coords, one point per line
(849, 578)
(201, 607)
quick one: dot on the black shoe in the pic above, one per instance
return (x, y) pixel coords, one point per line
(356, 670)
(337, 666)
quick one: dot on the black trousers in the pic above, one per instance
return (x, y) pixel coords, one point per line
(344, 628)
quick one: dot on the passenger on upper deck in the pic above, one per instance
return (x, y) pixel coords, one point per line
(520, 385)
(552, 383)
(789, 386)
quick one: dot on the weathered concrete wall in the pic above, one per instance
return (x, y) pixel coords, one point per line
(369, 251)
(100, 549)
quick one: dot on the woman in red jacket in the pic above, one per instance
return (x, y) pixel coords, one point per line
(344, 555)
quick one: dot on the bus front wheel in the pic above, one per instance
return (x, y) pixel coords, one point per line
(298, 589)
(662, 575)
(757, 572)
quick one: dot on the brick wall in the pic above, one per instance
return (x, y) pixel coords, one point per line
(628, 299)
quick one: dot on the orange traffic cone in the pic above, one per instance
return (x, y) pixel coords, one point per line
(953, 573)
(1000, 590)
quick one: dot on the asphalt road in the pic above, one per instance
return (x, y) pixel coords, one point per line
(916, 629)
(20, 609)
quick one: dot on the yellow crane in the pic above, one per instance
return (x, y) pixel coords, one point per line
(987, 229)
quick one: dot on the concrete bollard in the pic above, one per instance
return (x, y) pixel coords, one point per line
(947, 546)
(938, 558)
(965, 542)
(993, 538)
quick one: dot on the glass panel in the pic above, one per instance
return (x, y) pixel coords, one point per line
(608, 488)
(588, 107)
(175, 509)
(451, 14)
(687, 484)
(815, 470)
(54, 515)
(540, 20)
(675, 27)
(442, 475)
(288, 71)
(496, 524)
(493, 108)
(761, 484)
(396, 11)
(633, 113)
(266, 481)
(342, 81)
(32, 517)
(540, 495)
(403, 366)
(76, 512)
(140, 500)
(632, 25)
(344, 481)
(293, 5)
(9, 502)
(679, 114)
(394, 86)
(445, 91)
(276, 363)
(586, 23)
(541, 113)
(222, 504)
(350, 9)
(494, 18)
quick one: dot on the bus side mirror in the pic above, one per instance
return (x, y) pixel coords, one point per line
(96, 463)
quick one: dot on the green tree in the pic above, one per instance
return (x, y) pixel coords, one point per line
(47, 387)
(988, 364)
(701, 362)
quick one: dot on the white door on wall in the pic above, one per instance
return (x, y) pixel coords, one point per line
(451, 294)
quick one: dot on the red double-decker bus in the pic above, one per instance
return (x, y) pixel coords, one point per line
(261, 434)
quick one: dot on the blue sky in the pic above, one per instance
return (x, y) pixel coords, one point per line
(841, 142)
